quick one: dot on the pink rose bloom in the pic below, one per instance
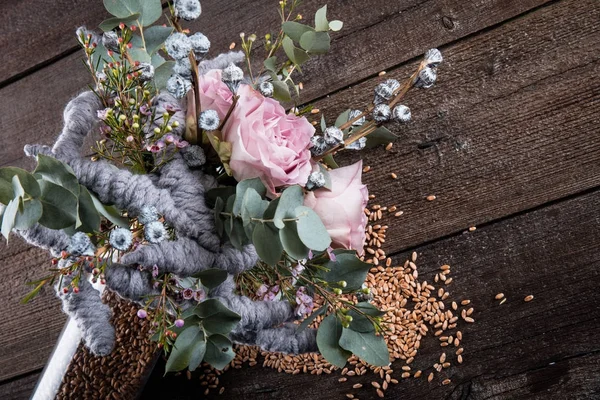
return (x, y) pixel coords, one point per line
(266, 142)
(342, 208)
(214, 94)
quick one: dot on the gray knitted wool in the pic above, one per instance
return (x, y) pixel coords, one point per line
(177, 192)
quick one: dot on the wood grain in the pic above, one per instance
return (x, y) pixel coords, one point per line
(546, 348)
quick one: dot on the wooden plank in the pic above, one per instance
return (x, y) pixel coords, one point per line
(511, 124)
(19, 389)
(542, 349)
(420, 18)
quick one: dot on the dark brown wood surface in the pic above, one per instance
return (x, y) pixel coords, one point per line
(511, 126)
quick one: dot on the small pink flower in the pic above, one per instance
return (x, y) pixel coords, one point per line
(103, 114)
(331, 254)
(342, 208)
(199, 295)
(188, 294)
(181, 144)
(145, 110)
(262, 290)
(169, 139)
(129, 138)
(142, 313)
(304, 303)
(179, 323)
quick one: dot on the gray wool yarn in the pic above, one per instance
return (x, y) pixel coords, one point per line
(221, 61)
(176, 192)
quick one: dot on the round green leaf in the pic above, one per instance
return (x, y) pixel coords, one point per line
(216, 318)
(27, 180)
(32, 212)
(88, 215)
(240, 191)
(336, 25)
(59, 206)
(315, 42)
(291, 241)
(52, 170)
(311, 230)
(367, 346)
(267, 244)
(8, 217)
(347, 267)
(180, 354)
(122, 8)
(150, 11)
(197, 352)
(328, 336)
(321, 23)
(295, 30)
(211, 278)
(110, 23)
(155, 36)
(291, 198)
(219, 351)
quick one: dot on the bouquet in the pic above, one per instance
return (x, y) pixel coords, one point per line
(210, 199)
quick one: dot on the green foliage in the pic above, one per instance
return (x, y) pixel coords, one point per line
(360, 321)
(311, 230)
(181, 353)
(347, 267)
(219, 351)
(216, 318)
(211, 278)
(379, 136)
(111, 23)
(367, 346)
(149, 10)
(328, 337)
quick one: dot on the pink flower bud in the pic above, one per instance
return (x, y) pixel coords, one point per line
(142, 313)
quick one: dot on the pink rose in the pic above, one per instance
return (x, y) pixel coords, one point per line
(266, 142)
(214, 94)
(342, 208)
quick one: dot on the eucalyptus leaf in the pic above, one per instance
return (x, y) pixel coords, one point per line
(291, 198)
(240, 191)
(367, 346)
(197, 353)
(122, 8)
(346, 267)
(281, 91)
(381, 135)
(150, 10)
(323, 123)
(110, 213)
(88, 215)
(223, 192)
(17, 187)
(31, 214)
(311, 230)
(291, 241)
(216, 318)
(295, 30)
(330, 162)
(237, 235)
(267, 243)
(179, 358)
(155, 37)
(212, 277)
(321, 23)
(295, 55)
(8, 217)
(141, 55)
(360, 322)
(271, 64)
(219, 205)
(59, 206)
(253, 207)
(342, 118)
(157, 60)
(162, 74)
(111, 23)
(52, 170)
(315, 42)
(328, 336)
(219, 351)
(336, 25)
(27, 180)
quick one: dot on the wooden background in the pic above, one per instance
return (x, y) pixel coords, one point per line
(507, 140)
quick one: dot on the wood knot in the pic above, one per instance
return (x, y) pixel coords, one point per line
(448, 23)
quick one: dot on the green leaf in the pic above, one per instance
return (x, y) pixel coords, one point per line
(59, 206)
(347, 267)
(157, 60)
(296, 55)
(219, 351)
(336, 25)
(281, 91)
(219, 205)
(88, 215)
(328, 336)
(291, 198)
(151, 11)
(271, 64)
(367, 346)
(315, 42)
(155, 36)
(291, 241)
(267, 243)
(162, 74)
(111, 23)
(27, 180)
(111, 213)
(18, 190)
(32, 212)
(311, 230)
(253, 207)
(342, 118)
(308, 320)
(138, 54)
(122, 8)
(52, 170)
(180, 354)
(8, 218)
(360, 323)
(240, 191)
(223, 192)
(295, 30)
(330, 162)
(216, 318)
(381, 135)
(197, 353)
(237, 235)
(323, 123)
(212, 277)
(321, 23)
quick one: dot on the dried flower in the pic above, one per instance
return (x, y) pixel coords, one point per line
(232, 76)
(183, 67)
(188, 10)
(188, 294)
(178, 45)
(333, 136)
(401, 113)
(355, 113)
(304, 303)
(357, 144)
(120, 239)
(178, 86)
(155, 232)
(110, 40)
(209, 120)
(180, 144)
(80, 245)
(200, 45)
(266, 89)
(385, 90)
(146, 71)
(194, 156)
(426, 78)
(318, 145)
(382, 113)
(433, 58)
(315, 180)
(155, 271)
(148, 214)
(199, 295)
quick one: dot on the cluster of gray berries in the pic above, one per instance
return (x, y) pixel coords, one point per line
(154, 231)
(179, 46)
